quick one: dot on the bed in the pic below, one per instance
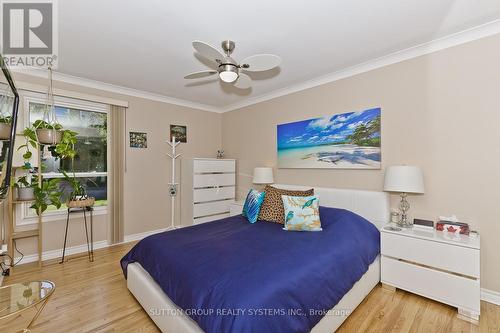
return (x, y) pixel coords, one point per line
(232, 276)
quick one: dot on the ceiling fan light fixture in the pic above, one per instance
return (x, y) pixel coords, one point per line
(228, 68)
(228, 73)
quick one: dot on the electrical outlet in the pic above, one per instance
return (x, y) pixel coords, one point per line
(3, 250)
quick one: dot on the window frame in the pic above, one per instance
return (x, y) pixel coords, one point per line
(23, 210)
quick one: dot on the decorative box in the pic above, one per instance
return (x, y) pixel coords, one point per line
(453, 227)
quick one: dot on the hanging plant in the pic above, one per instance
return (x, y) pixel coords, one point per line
(48, 134)
(5, 126)
(48, 130)
(5, 117)
(66, 146)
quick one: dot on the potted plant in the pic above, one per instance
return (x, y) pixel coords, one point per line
(48, 134)
(78, 196)
(25, 187)
(66, 146)
(5, 126)
(47, 194)
(62, 145)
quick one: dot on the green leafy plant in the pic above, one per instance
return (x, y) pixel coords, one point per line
(78, 191)
(31, 141)
(66, 148)
(5, 120)
(42, 124)
(47, 194)
(24, 182)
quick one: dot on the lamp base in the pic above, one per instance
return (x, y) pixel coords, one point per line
(404, 225)
(404, 206)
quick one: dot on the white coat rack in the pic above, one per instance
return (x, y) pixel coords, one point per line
(172, 186)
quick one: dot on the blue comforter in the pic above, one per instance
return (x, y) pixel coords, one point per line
(233, 276)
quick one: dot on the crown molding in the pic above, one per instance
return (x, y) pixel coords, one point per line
(88, 83)
(462, 37)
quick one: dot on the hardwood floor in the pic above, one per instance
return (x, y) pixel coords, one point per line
(93, 297)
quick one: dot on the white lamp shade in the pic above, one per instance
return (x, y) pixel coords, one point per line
(404, 178)
(263, 176)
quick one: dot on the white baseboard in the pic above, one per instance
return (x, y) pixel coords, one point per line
(137, 237)
(53, 254)
(490, 296)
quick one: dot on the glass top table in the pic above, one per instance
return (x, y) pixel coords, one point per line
(17, 297)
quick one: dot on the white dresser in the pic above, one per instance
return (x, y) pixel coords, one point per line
(236, 208)
(208, 187)
(434, 264)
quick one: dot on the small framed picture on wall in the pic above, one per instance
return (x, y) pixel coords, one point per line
(138, 140)
(180, 133)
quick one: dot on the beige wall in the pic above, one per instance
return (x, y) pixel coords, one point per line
(440, 112)
(147, 204)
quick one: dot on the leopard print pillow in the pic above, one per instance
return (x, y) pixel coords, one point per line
(272, 208)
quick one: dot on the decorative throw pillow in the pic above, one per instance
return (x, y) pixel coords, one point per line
(252, 205)
(272, 209)
(301, 213)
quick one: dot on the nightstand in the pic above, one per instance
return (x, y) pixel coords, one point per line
(438, 265)
(236, 208)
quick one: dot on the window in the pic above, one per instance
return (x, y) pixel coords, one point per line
(89, 120)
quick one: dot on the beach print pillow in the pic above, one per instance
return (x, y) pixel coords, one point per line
(301, 213)
(252, 205)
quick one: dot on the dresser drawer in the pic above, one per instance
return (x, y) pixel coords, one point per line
(458, 291)
(211, 208)
(207, 166)
(457, 259)
(209, 218)
(235, 209)
(212, 194)
(212, 180)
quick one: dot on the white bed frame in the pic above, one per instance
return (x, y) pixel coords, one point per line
(374, 206)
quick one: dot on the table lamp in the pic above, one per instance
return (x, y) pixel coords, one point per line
(404, 179)
(263, 175)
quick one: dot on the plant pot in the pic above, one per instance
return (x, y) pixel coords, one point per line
(4, 131)
(48, 136)
(80, 203)
(25, 193)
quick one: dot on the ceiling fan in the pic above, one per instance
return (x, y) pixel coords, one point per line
(229, 70)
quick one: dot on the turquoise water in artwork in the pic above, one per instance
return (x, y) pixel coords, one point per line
(349, 140)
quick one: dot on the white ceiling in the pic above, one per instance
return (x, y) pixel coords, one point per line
(146, 45)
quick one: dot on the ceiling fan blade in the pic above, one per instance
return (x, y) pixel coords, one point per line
(260, 62)
(207, 51)
(243, 82)
(198, 75)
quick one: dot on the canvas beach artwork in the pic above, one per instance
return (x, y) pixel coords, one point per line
(342, 141)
